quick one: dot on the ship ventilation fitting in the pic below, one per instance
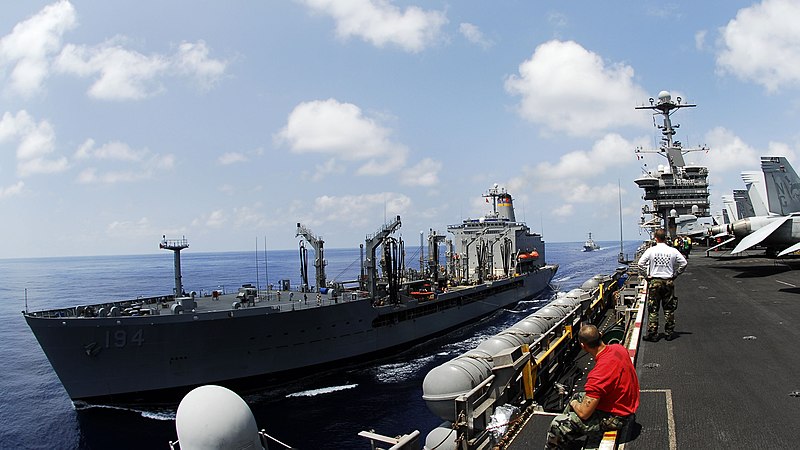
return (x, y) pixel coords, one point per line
(505, 207)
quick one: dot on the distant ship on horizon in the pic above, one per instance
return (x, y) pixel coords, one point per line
(590, 245)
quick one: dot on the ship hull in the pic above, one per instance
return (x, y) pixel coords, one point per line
(129, 357)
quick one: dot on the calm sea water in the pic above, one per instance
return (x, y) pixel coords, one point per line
(323, 410)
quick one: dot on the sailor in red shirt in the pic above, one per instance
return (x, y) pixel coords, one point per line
(612, 394)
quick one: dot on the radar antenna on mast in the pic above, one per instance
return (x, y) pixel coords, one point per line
(670, 148)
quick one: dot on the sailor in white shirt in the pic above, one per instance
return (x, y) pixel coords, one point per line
(661, 264)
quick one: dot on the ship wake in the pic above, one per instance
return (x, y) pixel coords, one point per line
(322, 391)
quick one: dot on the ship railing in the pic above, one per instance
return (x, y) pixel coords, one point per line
(286, 303)
(175, 243)
(527, 373)
(89, 310)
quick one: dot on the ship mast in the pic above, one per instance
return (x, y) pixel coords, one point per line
(493, 193)
(175, 245)
(671, 149)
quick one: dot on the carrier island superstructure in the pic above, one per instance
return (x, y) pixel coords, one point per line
(678, 191)
(160, 347)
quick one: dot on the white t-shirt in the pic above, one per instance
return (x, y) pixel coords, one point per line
(662, 261)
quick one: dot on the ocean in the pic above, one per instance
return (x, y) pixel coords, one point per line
(321, 410)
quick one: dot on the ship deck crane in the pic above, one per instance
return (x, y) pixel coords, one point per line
(319, 254)
(372, 242)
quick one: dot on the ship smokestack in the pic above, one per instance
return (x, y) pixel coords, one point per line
(505, 207)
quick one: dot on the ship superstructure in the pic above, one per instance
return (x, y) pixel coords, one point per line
(678, 192)
(496, 245)
(590, 245)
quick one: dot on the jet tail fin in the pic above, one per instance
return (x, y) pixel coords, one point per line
(743, 204)
(754, 182)
(783, 185)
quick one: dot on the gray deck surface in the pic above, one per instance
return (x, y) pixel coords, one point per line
(732, 377)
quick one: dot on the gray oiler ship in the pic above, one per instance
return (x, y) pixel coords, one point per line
(139, 349)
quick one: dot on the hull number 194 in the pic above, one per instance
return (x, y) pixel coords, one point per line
(122, 338)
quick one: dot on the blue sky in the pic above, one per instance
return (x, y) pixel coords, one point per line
(124, 121)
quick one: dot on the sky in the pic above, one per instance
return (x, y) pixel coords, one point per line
(229, 122)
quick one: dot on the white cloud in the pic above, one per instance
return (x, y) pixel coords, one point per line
(232, 158)
(216, 219)
(609, 151)
(425, 173)
(329, 167)
(249, 217)
(123, 74)
(34, 47)
(227, 189)
(114, 150)
(473, 34)
(584, 193)
(237, 157)
(700, 40)
(728, 151)
(30, 45)
(138, 164)
(762, 44)
(10, 191)
(664, 11)
(565, 210)
(568, 88)
(131, 229)
(342, 131)
(781, 149)
(192, 60)
(36, 142)
(380, 23)
(358, 210)
(557, 20)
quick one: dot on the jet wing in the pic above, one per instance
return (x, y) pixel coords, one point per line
(791, 249)
(759, 235)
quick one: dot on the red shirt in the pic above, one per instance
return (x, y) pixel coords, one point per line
(613, 381)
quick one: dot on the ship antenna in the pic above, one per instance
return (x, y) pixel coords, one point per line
(26, 300)
(621, 257)
(258, 282)
(266, 267)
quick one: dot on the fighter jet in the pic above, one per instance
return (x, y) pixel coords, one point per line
(780, 229)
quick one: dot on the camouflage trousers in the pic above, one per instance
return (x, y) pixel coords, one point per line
(567, 428)
(661, 294)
